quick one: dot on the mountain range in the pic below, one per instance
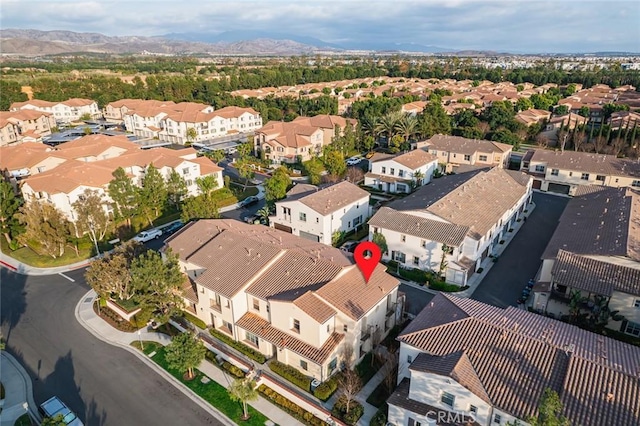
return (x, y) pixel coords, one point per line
(35, 42)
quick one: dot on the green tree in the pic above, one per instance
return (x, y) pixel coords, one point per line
(523, 104)
(387, 124)
(334, 163)
(584, 111)
(276, 186)
(216, 155)
(368, 142)
(245, 171)
(244, 391)
(337, 237)
(264, 214)
(152, 196)
(549, 411)
(57, 420)
(157, 283)
(396, 144)
(46, 229)
(184, 353)
(85, 117)
(407, 126)
(561, 110)
(206, 185)
(91, 216)
(191, 135)
(314, 170)
(199, 207)
(110, 275)
(434, 120)
(380, 240)
(245, 149)
(123, 192)
(176, 189)
(9, 206)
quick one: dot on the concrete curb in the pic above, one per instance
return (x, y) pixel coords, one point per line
(161, 371)
(33, 408)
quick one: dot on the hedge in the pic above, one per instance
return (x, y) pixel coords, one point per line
(194, 320)
(241, 347)
(356, 410)
(291, 374)
(327, 388)
(233, 370)
(290, 407)
(380, 418)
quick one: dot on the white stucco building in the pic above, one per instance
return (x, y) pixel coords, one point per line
(64, 111)
(401, 173)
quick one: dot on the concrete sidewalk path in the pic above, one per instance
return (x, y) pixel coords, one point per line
(18, 391)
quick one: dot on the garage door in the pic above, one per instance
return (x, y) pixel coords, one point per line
(559, 188)
(309, 236)
(284, 228)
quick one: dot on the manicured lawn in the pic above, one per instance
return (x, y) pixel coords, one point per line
(239, 193)
(148, 346)
(379, 395)
(30, 257)
(214, 394)
(126, 305)
(365, 370)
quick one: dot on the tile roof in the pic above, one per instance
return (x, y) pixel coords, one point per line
(69, 176)
(386, 178)
(587, 162)
(412, 159)
(517, 354)
(335, 197)
(325, 121)
(262, 328)
(462, 145)
(26, 155)
(412, 224)
(313, 306)
(594, 276)
(602, 221)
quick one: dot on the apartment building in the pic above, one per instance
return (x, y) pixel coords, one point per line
(25, 126)
(532, 116)
(294, 300)
(595, 252)
(401, 173)
(456, 150)
(317, 214)
(464, 362)
(563, 172)
(439, 228)
(63, 112)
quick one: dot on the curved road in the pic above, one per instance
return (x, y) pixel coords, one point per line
(104, 384)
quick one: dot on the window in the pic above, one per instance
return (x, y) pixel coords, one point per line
(600, 178)
(376, 230)
(636, 303)
(256, 304)
(416, 260)
(384, 170)
(447, 399)
(414, 422)
(296, 326)
(304, 365)
(252, 338)
(635, 183)
(409, 359)
(467, 157)
(400, 173)
(570, 174)
(633, 328)
(185, 171)
(303, 217)
(333, 364)
(473, 409)
(403, 238)
(317, 220)
(328, 328)
(218, 300)
(226, 326)
(398, 256)
(585, 176)
(423, 244)
(540, 169)
(345, 328)
(497, 418)
(357, 220)
(434, 152)
(392, 171)
(555, 172)
(482, 158)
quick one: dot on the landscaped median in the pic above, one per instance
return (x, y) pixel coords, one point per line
(209, 390)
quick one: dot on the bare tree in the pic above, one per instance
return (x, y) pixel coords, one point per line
(542, 141)
(346, 355)
(349, 384)
(599, 143)
(355, 175)
(390, 368)
(578, 139)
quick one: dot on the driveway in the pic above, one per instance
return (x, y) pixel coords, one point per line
(416, 299)
(521, 259)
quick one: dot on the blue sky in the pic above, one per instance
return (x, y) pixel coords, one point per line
(515, 25)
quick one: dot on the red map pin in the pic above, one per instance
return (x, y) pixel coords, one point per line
(367, 255)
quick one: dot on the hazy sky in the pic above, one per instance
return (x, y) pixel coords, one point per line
(515, 25)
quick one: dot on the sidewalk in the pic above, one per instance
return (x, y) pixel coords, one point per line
(18, 391)
(103, 331)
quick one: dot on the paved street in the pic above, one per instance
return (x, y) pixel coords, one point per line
(521, 259)
(104, 384)
(416, 299)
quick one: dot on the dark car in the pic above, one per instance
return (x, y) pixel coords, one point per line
(249, 201)
(173, 227)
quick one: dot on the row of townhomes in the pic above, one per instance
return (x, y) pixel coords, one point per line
(317, 214)
(61, 175)
(63, 112)
(453, 224)
(594, 258)
(401, 173)
(25, 125)
(463, 362)
(300, 139)
(173, 122)
(455, 150)
(565, 171)
(293, 299)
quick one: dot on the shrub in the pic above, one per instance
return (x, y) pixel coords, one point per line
(233, 370)
(326, 389)
(290, 407)
(356, 410)
(501, 241)
(113, 319)
(479, 271)
(380, 418)
(194, 320)
(291, 374)
(241, 347)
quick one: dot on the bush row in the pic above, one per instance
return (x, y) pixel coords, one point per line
(233, 370)
(356, 410)
(291, 374)
(194, 320)
(290, 407)
(241, 347)
(327, 388)
(114, 320)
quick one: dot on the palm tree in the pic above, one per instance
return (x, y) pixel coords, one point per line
(417, 178)
(407, 126)
(264, 214)
(387, 124)
(369, 126)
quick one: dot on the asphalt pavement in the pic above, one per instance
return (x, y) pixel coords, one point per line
(520, 261)
(103, 384)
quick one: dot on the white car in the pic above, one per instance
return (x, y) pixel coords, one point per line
(353, 161)
(148, 235)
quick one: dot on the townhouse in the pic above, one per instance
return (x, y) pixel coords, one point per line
(63, 112)
(25, 126)
(292, 299)
(592, 262)
(464, 362)
(563, 172)
(67, 182)
(331, 125)
(449, 226)
(317, 214)
(456, 150)
(532, 116)
(183, 122)
(401, 173)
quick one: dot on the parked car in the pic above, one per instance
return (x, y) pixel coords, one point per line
(369, 155)
(172, 228)
(352, 161)
(349, 246)
(252, 199)
(148, 235)
(253, 219)
(54, 407)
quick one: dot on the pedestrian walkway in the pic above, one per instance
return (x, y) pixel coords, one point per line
(103, 331)
(18, 391)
